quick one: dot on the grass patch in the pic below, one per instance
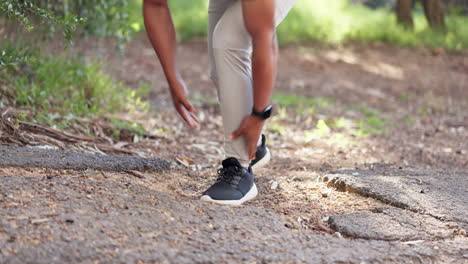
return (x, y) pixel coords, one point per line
(288, 100)
(120, 126)
(59, 90)
(372, 123)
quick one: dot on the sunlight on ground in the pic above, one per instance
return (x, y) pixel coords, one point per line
(380, 68)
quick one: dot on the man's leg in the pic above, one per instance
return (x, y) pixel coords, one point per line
(216, 10)
(232, 48)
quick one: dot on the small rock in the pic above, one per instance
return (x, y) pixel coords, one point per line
(436, 248)
(274, 185)
(39, 221)
(69, 221)
(325, 218)
(447, 150)
(325, 195)
(49, 177)
(215, 236)
(355, 173)
(297, 179)
(462, 232)
(338, 235)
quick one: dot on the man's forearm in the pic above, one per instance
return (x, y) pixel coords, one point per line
(260, 23)
(264, 68)
(161, 33)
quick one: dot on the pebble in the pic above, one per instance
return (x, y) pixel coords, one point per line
(298, 179)
(274, 185)
(462, 232)
(447, 150)
(338, 235)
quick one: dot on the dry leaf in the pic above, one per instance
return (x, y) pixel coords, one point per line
(185, 161)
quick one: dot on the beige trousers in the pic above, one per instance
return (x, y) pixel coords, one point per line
(230, 48)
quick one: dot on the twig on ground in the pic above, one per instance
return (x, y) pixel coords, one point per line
(107, 148)
(136, 174)
(57, 134)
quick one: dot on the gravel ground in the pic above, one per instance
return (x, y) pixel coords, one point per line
(92, 217)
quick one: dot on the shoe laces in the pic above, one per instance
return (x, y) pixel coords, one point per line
(231, 175)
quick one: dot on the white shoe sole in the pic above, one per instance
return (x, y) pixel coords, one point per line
(247, 197)
(264, 161)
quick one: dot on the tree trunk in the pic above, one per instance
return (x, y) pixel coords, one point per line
(434, 11)
(403, 12)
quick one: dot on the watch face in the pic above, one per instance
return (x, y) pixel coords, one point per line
(267, 112)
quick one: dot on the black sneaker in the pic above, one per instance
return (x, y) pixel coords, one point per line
(262, 156)
(234, 186)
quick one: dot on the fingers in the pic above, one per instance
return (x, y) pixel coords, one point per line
(187, 105)
(189, 117)
(236, 134)
(252, 148)
(190, 111)
(195, 117)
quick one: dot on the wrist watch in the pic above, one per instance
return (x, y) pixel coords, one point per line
(265, 114)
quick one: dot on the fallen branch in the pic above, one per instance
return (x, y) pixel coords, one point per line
(51, 132)
(9, 127)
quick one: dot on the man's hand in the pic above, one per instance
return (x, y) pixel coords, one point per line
(251, 128)
(161, 33)
(182, 105)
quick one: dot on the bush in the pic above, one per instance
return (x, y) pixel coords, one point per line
(57, 88)
(108, 18)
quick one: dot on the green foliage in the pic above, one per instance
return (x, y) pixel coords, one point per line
(298, 100)
(26, 13)
(372, 123)
(108, 18)
(11, 56)
(339, 22)
(190, 18)
(119, 125)
(60, 88)
(334, 22)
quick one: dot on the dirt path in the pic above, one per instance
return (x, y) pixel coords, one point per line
(382, 118)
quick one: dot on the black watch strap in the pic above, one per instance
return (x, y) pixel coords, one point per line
(264, 114)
